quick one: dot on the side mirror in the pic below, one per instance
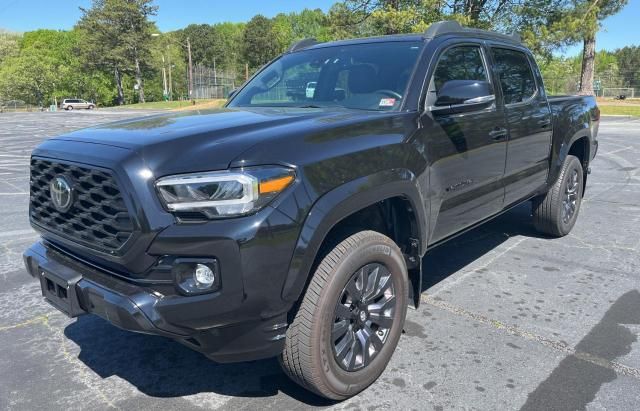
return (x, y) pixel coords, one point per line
(232, 93)
(464, 92)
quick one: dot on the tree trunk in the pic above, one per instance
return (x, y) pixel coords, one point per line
(119, 86)
(588, 66)
(139, 81)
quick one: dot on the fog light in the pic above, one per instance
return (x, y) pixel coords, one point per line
(204, 276)
(196, 275)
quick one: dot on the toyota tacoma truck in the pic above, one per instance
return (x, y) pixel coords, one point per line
(292, 222)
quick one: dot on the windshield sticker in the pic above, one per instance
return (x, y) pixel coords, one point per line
(387, 102)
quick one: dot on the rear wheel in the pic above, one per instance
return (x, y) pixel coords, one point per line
(556, 213)
(350, 319)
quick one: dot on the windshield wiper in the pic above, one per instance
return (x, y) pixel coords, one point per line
(310, 106)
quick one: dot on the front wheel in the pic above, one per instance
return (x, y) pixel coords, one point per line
(556, 212)
(70, 108)
(350, 319)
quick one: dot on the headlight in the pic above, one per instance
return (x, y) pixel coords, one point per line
(224, 193)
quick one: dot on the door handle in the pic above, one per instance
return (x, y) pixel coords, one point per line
(498, 134)
(544, 123)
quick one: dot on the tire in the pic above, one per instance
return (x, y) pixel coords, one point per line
(90, 108)
(70, 108)
(310, 354)
(549, 215)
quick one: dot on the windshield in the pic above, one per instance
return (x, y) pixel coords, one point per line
(370, 76)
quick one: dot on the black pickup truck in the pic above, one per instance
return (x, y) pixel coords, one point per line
(296, 227)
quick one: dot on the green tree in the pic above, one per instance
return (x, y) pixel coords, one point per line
(28, 77)
(586, 19)
(551, 24)
(116, 35)
(282, 29)
(485, 14)
(201, 37)
(403, 16)
(44, 67)
(227, 43)
(168, 53)
(292, 27)
(9, 44)
(561, 22)
(260, 44)
(628, 62)
(560, 75)
(386, 16)
(310, 24)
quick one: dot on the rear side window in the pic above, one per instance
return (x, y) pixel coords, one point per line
(459, 63)
(516, 77)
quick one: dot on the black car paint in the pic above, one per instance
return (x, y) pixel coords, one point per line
(447, 169)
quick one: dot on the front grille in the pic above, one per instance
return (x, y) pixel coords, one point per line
(98, 217)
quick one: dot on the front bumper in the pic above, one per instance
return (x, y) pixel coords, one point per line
(77, 288)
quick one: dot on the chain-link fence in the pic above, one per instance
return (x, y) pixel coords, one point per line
(9, 106)
(209, 83)
(608, 84)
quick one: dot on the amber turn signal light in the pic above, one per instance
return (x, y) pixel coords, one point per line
(275, 185)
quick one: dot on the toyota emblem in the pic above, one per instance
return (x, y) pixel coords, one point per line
(61, 193)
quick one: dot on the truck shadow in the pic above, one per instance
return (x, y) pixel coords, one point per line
(447, 259)
(159, 367)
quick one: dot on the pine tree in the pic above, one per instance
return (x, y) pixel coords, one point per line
(116, 34)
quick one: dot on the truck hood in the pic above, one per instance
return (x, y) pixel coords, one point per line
(209, 140)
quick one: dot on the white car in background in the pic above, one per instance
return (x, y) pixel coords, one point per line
(310, 91)
(76, 103)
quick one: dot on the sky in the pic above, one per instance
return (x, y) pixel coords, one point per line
(24, 15)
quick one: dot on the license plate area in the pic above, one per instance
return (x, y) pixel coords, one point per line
(60, 291)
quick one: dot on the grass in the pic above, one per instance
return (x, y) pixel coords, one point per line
(620, 110)
(175, 105)
(627, 107)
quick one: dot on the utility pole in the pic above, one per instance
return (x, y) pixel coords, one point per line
(164, 79)
(190, 70)
(170, 81)
(215, 73)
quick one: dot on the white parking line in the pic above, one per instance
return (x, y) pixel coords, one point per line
(15, 233)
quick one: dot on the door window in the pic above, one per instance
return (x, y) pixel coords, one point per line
(460, 73)
(516, 77)
(460, 63)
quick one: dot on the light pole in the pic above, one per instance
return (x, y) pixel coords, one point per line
(186, 45)
(165, 92)
(190, 71)
(170, 80)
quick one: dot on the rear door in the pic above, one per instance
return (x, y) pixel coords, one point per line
(466, 144)
(528, 120)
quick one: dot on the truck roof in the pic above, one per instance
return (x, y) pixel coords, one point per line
(438, 29)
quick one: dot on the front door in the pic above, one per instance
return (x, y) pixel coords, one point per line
(466, 143)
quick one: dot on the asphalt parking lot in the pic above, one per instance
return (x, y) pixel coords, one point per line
(509, 319)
